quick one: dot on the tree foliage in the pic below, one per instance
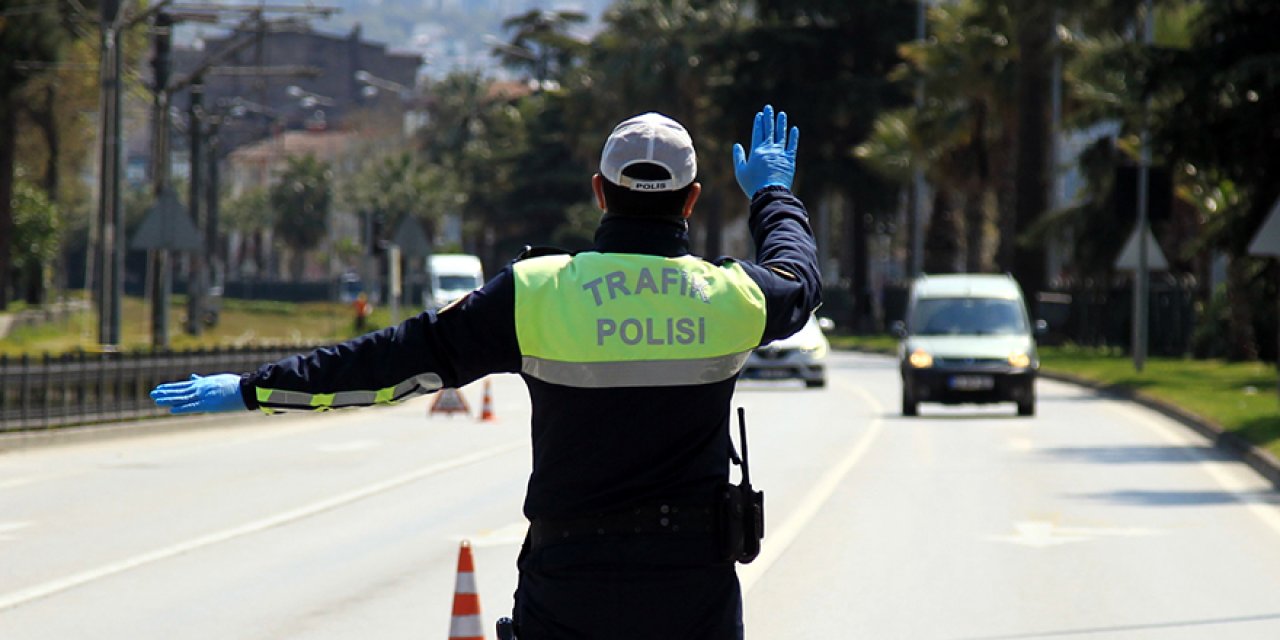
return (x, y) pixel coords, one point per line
(541, 44)
(963, 136)
(1227, 84)
(398, 186)
(37, 237)
(301, 199)
(24, 36)
(513, 158)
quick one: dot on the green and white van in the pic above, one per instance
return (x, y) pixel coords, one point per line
(967, 338)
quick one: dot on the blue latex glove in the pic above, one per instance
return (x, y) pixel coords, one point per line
(773, 154)
(219, 392)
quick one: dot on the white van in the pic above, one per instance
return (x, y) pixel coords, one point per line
(453, 275)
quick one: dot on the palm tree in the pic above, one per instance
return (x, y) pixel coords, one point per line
(963, 134)
(476, 133)
(250, 218)
(301, 200)
(665, 56)
(1225, 83)
(542, 44)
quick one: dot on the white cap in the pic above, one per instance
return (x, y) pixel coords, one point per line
(652, 138)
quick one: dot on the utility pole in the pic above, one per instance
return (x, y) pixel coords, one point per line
(109, 241)
(200, 195)
(160, 129)
(1141, 296)
(110, 245)
(916, 222)
(213, 257)
(196, 285)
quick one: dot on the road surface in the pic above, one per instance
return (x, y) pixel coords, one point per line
(1095, 519)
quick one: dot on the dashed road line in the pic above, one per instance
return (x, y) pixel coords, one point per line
(780, 539)
(23, 596)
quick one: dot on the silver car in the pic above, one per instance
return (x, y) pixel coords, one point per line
(802, 355)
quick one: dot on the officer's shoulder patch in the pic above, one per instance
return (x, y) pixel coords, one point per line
(784, 273)
(452, 305)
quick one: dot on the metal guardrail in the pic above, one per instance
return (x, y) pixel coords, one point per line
(83, 388)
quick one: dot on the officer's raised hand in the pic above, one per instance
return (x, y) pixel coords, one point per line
(773, 154)
(214, 393)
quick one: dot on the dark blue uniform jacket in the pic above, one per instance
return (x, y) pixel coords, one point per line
(595, 451)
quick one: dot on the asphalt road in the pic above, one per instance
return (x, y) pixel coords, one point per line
(1095, 519)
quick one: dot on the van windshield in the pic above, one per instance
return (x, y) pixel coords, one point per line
(968, 317)
(458, 283)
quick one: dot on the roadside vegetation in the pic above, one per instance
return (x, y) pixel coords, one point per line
(241, 323)
(1238, 396)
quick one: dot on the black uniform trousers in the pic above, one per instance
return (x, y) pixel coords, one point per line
(639, 587)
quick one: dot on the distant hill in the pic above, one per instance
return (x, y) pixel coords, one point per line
(450, 33)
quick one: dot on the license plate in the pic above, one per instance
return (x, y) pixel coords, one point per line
(972, 383)
(773, 374)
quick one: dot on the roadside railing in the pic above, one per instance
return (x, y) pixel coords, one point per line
(46, 392)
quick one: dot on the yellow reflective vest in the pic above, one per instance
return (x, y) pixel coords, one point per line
(634, 320)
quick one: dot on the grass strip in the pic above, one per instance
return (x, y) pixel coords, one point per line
(240, 323)
(1239, 397)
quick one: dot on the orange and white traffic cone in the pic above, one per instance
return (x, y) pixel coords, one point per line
(486, 407)
(465, 623)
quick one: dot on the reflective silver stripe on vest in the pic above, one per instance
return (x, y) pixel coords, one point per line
(283, 399)
(636, 373)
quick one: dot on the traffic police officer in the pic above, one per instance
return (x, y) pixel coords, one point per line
(630, 353)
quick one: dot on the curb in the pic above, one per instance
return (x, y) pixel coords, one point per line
(36, 438)
(1261, 461)
(14, 441)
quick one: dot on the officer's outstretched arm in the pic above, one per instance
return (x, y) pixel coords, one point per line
(462, 343)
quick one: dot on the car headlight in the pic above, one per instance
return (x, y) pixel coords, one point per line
(920, 359)
(815, 351)
(1019, 360)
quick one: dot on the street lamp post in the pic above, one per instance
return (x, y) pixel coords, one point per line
(376, 83)
(310, 100)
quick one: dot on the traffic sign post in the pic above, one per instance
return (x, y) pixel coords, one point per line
(1266, 243)
(1141, 258)
(166, 228)
(1141, 276)
(414, 246)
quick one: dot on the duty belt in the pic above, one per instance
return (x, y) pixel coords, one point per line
(658, 519)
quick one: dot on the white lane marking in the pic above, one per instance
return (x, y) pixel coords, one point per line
(7, 529)
(1041, 534)
(24, 480)
(209, 432)
(1247, 488)
(779, 539)
(348, 447)
(1021, 445)
(511, 534)
(16, 598)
